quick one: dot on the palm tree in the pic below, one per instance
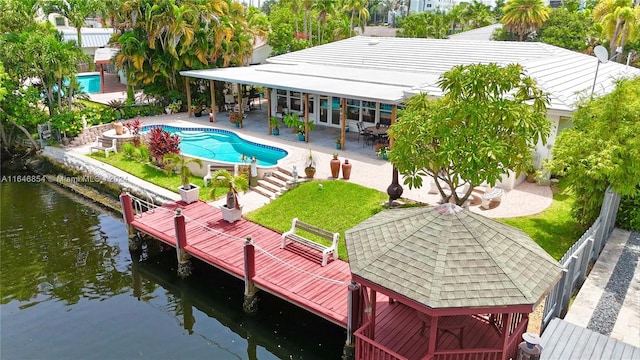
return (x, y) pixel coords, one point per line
(479, 14)
(524, 16)
(234, 184)
(324, 8)
(181, 164)
(620, 21)
(357, 7)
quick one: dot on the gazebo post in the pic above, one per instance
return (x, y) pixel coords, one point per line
(505, 332)
(372, 304)
(433, 335)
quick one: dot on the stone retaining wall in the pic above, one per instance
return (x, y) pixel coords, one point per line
(89, 135)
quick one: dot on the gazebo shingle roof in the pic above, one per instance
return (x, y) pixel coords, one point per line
(443, 261)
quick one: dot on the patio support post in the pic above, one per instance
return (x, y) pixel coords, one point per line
(268, 95)
(353, 312)
(240, 104)
(393, 120)
(214, 108)
(343, 120)
(101, 78)
(306, 117)
(186, 85)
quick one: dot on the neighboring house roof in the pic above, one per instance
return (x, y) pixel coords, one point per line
(91, 37)
(483, 33)
(445, 260)
(363, 67)
(563, 340)
(104, 55)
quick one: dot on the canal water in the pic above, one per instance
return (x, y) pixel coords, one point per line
(71, 289)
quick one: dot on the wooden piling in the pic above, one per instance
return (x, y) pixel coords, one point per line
(184, 265)
(128, 216)
(250, 304)
(353, 314)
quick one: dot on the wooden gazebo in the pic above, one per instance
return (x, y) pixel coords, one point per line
(443, 283)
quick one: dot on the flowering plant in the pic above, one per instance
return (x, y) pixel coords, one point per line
(382, 150)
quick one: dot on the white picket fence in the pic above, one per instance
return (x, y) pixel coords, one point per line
(575, 261)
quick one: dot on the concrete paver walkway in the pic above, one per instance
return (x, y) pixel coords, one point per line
(617, 302)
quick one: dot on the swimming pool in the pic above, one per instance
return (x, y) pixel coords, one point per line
(89, 82)
(222, 145)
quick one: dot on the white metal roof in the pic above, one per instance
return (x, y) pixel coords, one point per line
(91, 37)
(388, 69)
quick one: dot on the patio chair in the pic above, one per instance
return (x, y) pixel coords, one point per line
(245, 105)
(229, 102)
(367, 136)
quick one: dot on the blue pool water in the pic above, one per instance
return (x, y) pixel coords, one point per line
(89, 83)
(223, 145)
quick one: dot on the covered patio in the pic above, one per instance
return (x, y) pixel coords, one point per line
(443, 283)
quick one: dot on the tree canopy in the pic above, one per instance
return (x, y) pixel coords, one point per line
(601, 149)
(524, 16)
(568, 29)
(486, 124)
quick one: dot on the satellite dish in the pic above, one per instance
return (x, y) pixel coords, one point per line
(601, 53)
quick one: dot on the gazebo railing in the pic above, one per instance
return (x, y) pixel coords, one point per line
(471, 354)
(369, 349)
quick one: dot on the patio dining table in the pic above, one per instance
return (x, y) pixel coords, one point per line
(379, 133)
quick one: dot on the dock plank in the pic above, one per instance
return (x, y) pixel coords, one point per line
(297, 276)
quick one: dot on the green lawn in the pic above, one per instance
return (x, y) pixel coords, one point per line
(553, 229)
(339, 205)
(335, 206)
(152, 174)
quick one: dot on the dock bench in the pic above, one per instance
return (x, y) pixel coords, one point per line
(326, 250)
(493, 195)
(99, 146)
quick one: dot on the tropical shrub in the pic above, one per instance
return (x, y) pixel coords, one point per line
(162, 143)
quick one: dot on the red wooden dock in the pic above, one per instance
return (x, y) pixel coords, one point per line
(294, 273)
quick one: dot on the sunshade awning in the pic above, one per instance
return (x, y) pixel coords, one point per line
(369, 85)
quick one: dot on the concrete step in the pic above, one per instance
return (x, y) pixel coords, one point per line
(264, 192)
(270, 187)
(276, 182)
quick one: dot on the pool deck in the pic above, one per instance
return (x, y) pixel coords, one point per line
(368, 170)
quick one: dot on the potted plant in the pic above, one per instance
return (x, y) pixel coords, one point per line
(174, 162)
(297, 125)
(196, 109)
(275, 125)
(338, 144)
(235, 118)
(310, 166)
(174, 107)
(382, 150)
(530, 171)
(231, 210)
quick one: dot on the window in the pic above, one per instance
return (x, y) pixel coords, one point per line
(296, 101)
(60, 21)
